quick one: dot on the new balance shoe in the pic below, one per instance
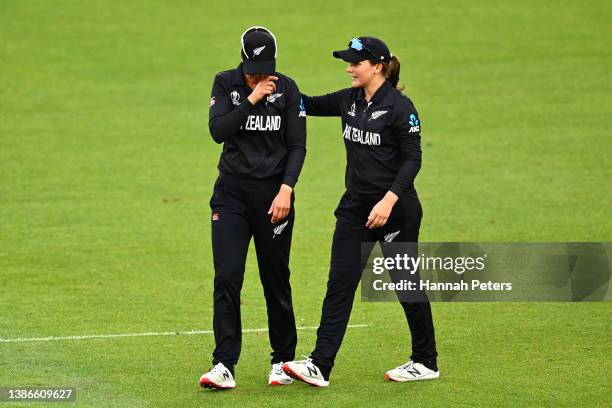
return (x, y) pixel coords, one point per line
(219, 378)
(306, 371)
(278, 376)
(412, 371)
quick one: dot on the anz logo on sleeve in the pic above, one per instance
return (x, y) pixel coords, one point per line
(415, 124)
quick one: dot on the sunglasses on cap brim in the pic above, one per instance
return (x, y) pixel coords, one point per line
(358, 45)
(253, 29)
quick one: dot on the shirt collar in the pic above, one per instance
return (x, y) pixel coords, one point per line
(238, 78)
(378, 95)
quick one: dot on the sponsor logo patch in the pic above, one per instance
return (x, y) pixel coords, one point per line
(377, 114)
(273, 97)
(212, 101)
(351, 111)
(279, 228)
(415, 124)
(216, 216)
(302, 113)
(390, 237)
(235, 97)
(258, 50)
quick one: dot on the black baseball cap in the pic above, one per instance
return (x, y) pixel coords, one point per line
(365, 48)
(258, 51)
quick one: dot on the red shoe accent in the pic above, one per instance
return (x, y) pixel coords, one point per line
(206, 383)
(296, 376)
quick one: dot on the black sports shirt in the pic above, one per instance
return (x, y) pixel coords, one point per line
(263, 140)
(382, 138)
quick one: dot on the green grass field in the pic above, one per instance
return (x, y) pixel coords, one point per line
(106, 168)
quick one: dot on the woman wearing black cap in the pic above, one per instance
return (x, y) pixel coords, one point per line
(258, 115)
(381, 133)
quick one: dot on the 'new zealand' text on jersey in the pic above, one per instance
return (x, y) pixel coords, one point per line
(263, 140)
(382, 138)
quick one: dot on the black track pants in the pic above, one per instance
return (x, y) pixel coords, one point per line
(347, 262)
(239, 212)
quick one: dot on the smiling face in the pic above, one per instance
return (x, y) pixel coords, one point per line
(362, 73)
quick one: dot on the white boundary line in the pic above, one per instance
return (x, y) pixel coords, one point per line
(148, 334)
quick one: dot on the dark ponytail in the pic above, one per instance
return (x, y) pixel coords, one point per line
(391, 71)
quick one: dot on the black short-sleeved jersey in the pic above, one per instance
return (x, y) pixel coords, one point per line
(263, 140)
(382, 138)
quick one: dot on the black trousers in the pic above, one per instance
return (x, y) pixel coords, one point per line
(239, 212)
(347, 263)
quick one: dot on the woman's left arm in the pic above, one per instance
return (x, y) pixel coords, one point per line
(408, 128)
(295, 137)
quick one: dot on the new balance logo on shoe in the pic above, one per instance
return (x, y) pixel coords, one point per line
(312, 370)
(306, 371)
(390, 237)
(279, 228)
(413, 371)
(219, 378)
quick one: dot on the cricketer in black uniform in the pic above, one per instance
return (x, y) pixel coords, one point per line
(383, 150)
(264, 146)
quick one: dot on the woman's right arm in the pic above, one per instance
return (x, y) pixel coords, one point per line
(325, 105)
(224, 118)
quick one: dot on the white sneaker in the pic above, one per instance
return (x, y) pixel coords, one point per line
(412, 371)
(304, 370)
(278, 376)
(219, 378)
